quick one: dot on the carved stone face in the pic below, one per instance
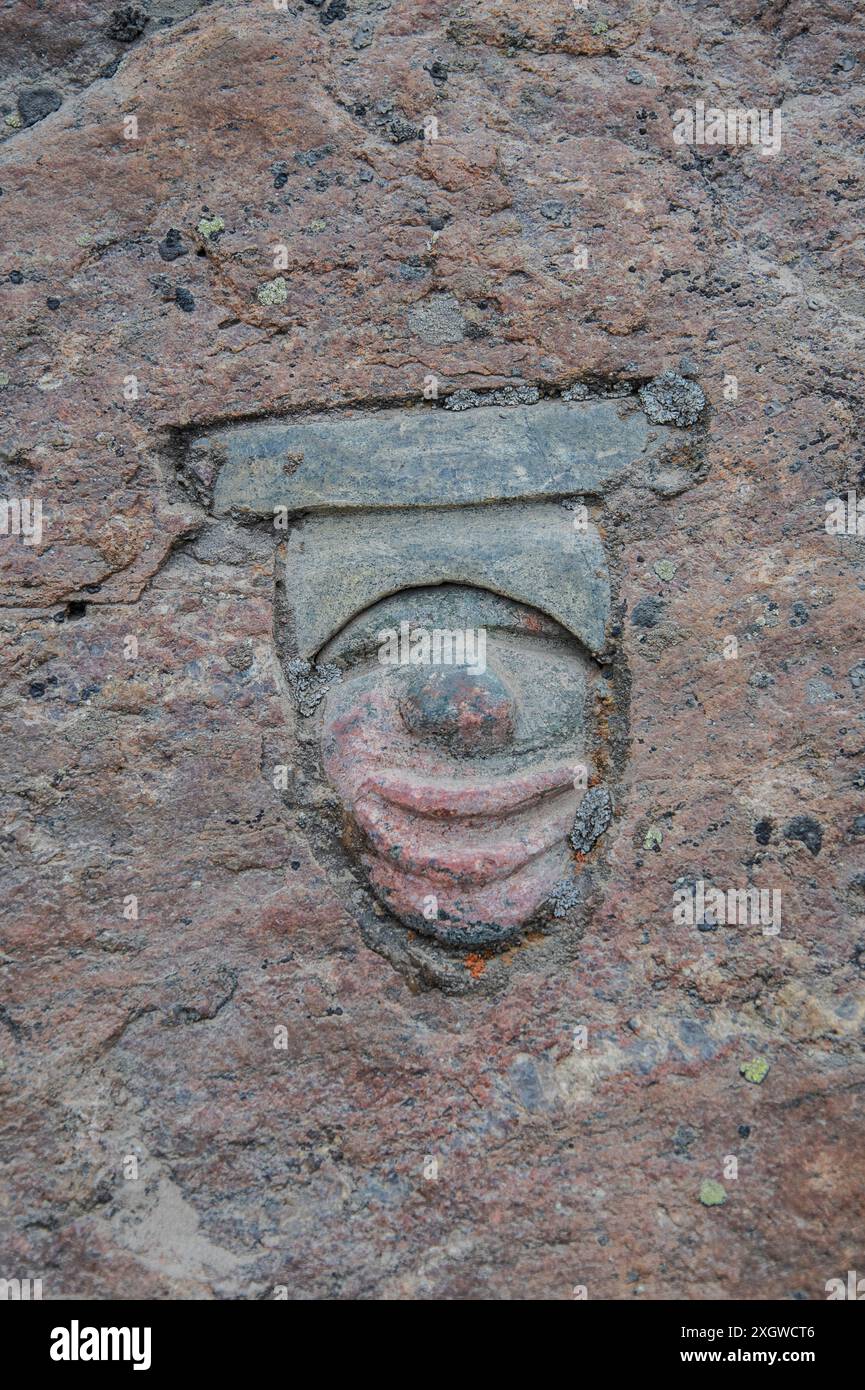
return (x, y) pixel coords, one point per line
(453, 794)
(456, 742)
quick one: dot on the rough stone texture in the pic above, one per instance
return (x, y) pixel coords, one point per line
(151, 775)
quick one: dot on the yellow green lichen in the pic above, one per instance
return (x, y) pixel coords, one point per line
(14, 120)
(653, 838)
(209, 226)
(756, 1070)
(665, 569)
(712, 1194)
(274, 291)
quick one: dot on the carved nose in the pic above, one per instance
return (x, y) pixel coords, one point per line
(468, 713)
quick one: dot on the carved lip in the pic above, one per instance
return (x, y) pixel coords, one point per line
(453, 799)
(400, 814)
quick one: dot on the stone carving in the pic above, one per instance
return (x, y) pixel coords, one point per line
(460, 785)
(442, 622)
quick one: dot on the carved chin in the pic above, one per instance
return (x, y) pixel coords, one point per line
(457, 908)
(468, 863)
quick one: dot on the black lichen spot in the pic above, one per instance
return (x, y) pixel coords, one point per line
(400, 130)
(337, 9)
(437, 70)
(799, 615)
(763, 831)
(683, 1139)
(172, 246)
(16, 278)
(806, 829)
(184, 300)
(53, 302)
(38, 103)
(126, 24)
(647, 613)
(36, 689)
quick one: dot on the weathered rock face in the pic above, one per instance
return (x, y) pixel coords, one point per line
(247, 218)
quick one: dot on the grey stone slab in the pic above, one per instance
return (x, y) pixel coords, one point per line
(423, 457)
(338, 565)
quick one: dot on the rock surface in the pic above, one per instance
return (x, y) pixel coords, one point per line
(180, 985)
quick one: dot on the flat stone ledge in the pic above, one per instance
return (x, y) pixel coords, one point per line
(423, 456)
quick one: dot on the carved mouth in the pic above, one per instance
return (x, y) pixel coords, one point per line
(452, 798)
(463, 834)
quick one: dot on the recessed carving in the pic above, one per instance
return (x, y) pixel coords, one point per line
(442, 620)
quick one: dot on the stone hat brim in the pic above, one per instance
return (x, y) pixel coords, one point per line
(337, 566)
